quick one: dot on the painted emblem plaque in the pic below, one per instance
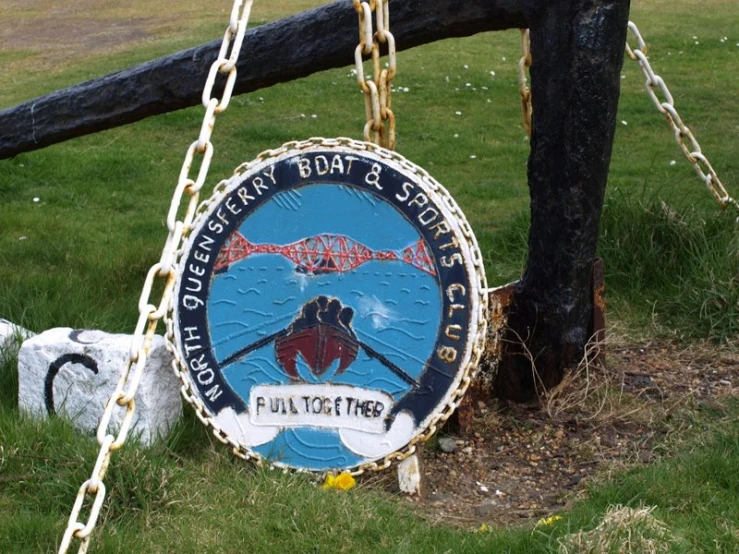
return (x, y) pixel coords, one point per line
(330, 305)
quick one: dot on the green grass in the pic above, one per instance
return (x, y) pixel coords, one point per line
(78, 258)
(190, 495)
(686, 284)
(696, 492)
(100, 220)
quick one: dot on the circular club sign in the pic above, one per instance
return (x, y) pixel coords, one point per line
(330, 305)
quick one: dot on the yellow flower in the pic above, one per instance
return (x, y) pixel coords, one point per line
(484, 528)
(343, 481)
(548, 521)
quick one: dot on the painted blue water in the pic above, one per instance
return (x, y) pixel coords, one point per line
(397, 309)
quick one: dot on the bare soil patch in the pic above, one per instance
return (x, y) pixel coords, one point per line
(65, 29)
(524, 462)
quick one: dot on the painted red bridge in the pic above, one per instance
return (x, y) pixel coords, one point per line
(324, 253)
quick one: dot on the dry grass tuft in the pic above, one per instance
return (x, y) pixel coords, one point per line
(592, 393)
(622, 531)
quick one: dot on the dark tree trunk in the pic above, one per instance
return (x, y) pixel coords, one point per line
(577, 49)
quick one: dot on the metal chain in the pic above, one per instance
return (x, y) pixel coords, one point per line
(653, 84)
(442, 197)
(523, 85)
(122, 399)
(380, 119)
(692, 150)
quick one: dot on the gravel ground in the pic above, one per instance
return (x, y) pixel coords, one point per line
(524, 462)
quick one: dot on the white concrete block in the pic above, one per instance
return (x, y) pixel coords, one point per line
(73, 373)
(11, 337)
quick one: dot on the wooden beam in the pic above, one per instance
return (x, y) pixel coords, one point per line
(298, 46)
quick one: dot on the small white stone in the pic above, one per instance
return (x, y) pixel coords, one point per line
(456, 135)
(314, 116)
(473, 157)
(468, 84)
(624, 122)
(23, 237)
(457, 113)
(503, 58)
(673, 162)
(83, 368)
(36, 199)
(11, 337)
(466, 66)
(492, 73)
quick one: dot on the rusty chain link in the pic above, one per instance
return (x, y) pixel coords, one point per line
(122, 399)
(380, 119)
(523, 84)
(654, 84)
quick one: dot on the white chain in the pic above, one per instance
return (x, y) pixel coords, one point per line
(150, 314)
(380, 119)
(653, 84)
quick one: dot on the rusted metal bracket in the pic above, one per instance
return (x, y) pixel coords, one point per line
(598, 334)
(481, 388)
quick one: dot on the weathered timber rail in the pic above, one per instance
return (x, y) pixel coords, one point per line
(285, 50)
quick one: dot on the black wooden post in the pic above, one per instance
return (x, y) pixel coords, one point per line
(577, 49)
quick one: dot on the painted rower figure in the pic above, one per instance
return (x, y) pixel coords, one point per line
(321, 334)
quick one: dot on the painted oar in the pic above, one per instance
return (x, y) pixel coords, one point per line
(236, 356)
(371, 352)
